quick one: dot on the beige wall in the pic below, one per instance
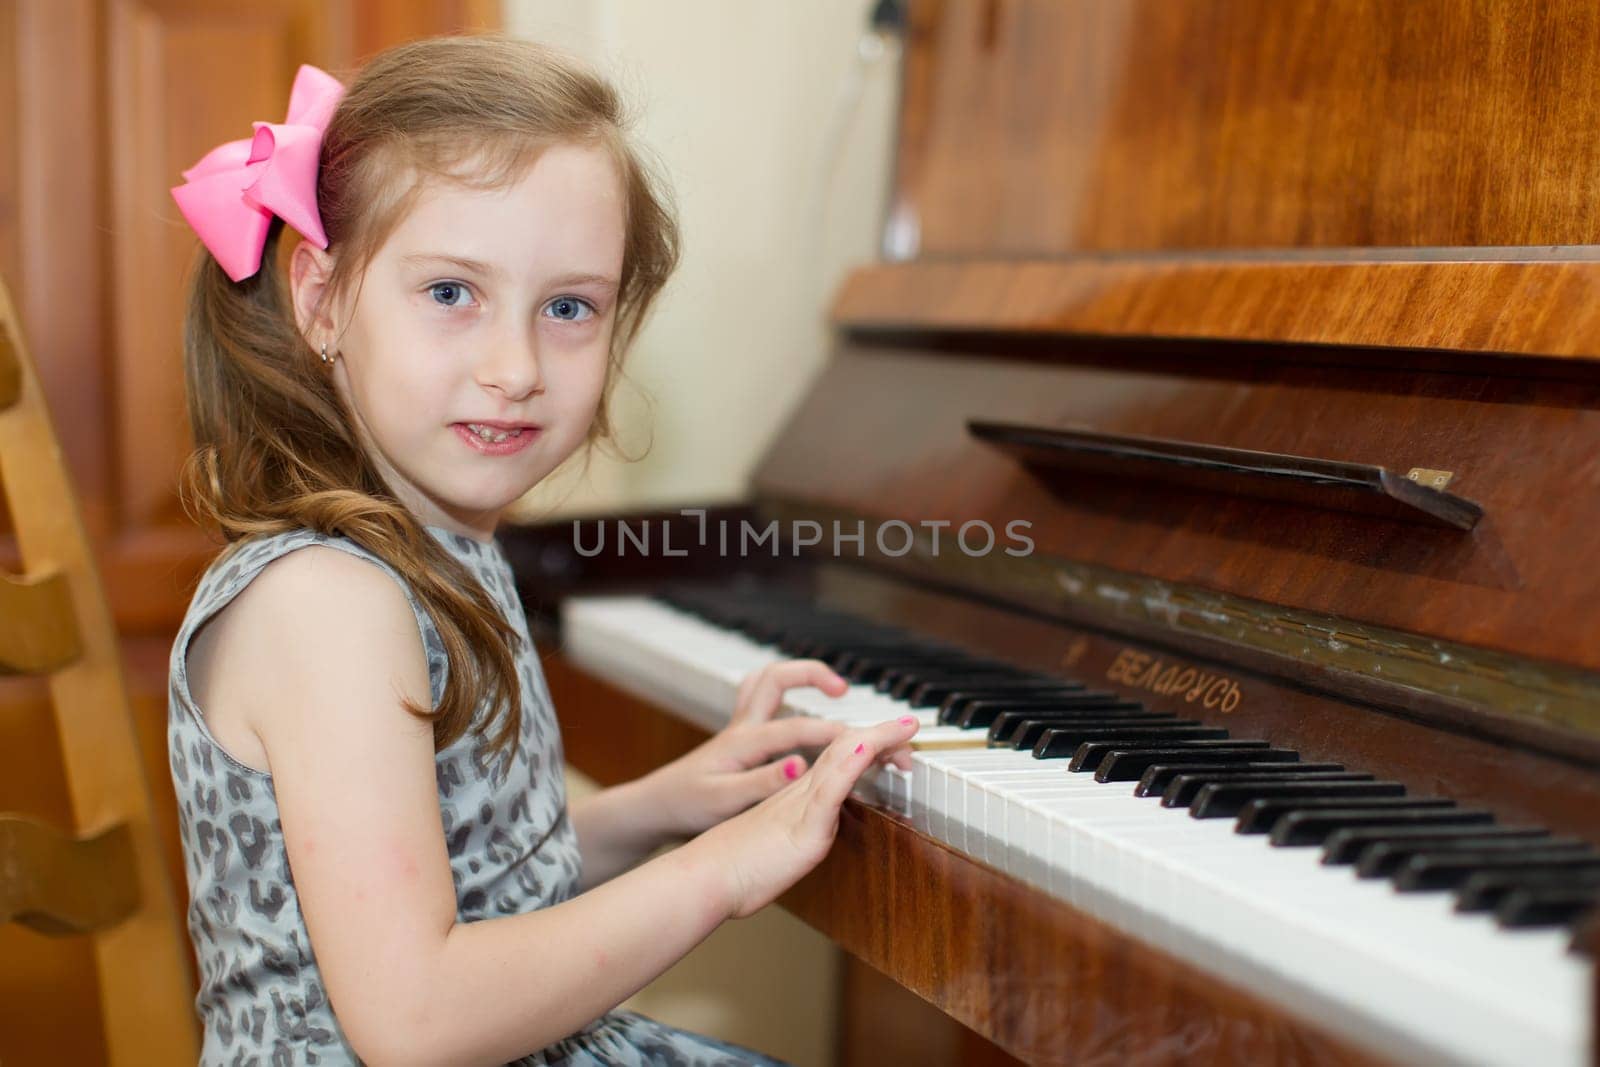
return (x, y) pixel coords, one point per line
(737, 99)
(740, 101)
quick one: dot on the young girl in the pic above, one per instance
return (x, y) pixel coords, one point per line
(381, 860)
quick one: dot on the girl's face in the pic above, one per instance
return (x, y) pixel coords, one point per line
(487, 313)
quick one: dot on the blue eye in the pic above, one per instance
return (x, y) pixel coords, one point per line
(445, 294)
(571, 309)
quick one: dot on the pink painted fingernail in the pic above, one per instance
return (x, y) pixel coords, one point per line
(791, 770)
(908, 720)
(860, 748)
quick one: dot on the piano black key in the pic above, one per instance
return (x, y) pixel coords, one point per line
(1003, 732)
(1157, 777)
(980, 710)
(933, 694)
(1449, 870)
(1061, 740)
(1346, 846)
(1257, 816)
(896, 675)
(986, 705)
(1091, 753)
(806, 642)
(1226, 799)
(985, 718)
(870, 670)
(899, 682)
(1311, 826)
(906, 653)
(1184, 788)
(1383, 858)
(847, 660)
(1028, 732)
(1546, 907)
(1133, 765)
(1483, 890)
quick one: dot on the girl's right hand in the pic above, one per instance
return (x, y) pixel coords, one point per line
(765, 850)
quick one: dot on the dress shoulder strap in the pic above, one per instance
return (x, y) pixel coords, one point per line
(238, 566)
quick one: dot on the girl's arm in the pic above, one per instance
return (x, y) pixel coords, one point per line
(616, 828)
(354, 778)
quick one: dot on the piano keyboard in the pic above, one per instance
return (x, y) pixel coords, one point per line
(1172, 831)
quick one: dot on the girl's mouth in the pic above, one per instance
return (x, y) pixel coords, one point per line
(490, 433)
(495, 440)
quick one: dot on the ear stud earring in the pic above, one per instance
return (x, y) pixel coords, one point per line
(325, 357)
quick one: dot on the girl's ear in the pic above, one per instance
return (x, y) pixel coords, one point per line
(310, 269)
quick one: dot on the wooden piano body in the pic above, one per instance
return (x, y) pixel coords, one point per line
(1279, 325)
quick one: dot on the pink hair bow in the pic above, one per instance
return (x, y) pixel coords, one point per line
(230, 196)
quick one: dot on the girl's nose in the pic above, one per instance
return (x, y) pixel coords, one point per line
(511, 367)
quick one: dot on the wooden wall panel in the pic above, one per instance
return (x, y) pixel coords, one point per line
(58, 231)
(181, 77)
(102, 103)
(159, 125)
(10, 150)
(1056, 126)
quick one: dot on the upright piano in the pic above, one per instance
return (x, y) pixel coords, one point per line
(1212, 463)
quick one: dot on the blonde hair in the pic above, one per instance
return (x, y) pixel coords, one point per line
(275, 447)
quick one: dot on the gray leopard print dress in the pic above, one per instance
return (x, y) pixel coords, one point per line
(512, 848)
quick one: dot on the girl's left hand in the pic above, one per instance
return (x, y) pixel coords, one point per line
(735, 769)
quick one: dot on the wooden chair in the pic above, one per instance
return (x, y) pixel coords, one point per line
(104, 877)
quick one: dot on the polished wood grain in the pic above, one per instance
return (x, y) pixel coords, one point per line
(884, 435)
(1021, 969)
(140, 960)
(879, 1017)
(1045, 127)
(1548, 307)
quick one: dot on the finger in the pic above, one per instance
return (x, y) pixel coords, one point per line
(741, 696)
(740, 791)
(898, 757)
(765, 740)
(768, 685)
(851, 754)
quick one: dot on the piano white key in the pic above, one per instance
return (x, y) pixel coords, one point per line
(1226, 892)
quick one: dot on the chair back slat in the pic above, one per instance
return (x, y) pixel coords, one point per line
(10, 373)
(60, 885)
(141, 960)
(38, 630)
